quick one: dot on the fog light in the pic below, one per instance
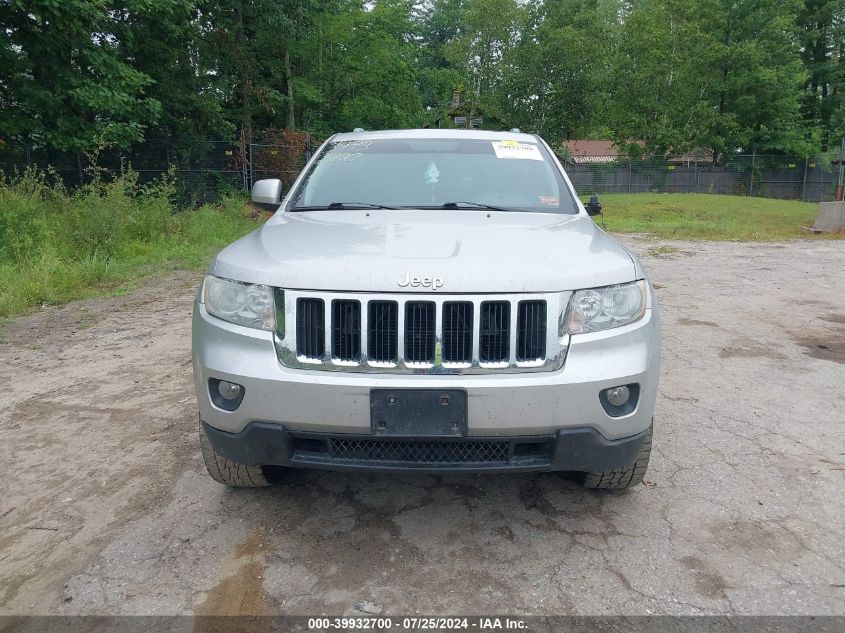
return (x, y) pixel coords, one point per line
(617, 396)
(224, 394)
(621, 400)
(231, 391)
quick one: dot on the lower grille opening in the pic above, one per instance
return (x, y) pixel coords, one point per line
(421, 452)
(532, 449)
(309, 445)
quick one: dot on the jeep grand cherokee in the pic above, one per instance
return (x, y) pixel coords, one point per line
(427, 301)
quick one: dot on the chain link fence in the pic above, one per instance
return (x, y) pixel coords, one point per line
(813, 178)
(202, 170)
(205, 169)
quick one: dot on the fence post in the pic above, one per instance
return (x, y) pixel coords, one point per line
(251, 174)
(629, 174)
(840, 185)
(804, 180)
(695, 185)
(244, 173)
(751, 180)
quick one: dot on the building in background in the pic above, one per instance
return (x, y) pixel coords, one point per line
(590, 152)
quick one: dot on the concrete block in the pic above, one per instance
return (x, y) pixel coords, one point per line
(830, 217)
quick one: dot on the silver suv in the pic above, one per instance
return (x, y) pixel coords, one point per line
(427, 301)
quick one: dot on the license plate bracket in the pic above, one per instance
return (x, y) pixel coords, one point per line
(418, 412)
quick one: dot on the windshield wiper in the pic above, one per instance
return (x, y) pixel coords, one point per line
(342, 206)
(480, 205)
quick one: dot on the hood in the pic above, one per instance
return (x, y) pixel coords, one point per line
(468, 251)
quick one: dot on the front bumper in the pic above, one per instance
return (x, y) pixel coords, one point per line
(499, 405)
(578, 450)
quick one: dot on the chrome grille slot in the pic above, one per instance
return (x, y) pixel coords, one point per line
(346, 329)
(457, 332)
(419, 331)
(494, 340)
(531, 331)
(310, 324)
(382, 331)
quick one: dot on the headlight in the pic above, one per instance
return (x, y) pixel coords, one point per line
(604, 308)
(250, 305)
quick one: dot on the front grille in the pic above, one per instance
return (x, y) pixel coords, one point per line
(346, 329)
(457, 332)
(495, 331)
(422, 334)
(421, 452)
(531, 330)
(383, 331)
(310, 321)
(419, 332)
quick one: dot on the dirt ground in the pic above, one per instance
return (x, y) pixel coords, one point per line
(106, 508)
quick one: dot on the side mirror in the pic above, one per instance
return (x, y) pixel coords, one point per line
(267, 194)
(593, 206)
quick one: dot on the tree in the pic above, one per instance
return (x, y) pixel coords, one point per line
(251, 44)
(556, 82)
(436, 24)
(727, 75)
(366, 67)
(822, 33)
(489, 29)
(62, 80)
(164, 41)
(719, 74)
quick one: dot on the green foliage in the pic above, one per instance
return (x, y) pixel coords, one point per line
(714, 74)
(24, 227)
(821, 28)
(723, 75)
(61, 77)
(565, 49)
(57, 245)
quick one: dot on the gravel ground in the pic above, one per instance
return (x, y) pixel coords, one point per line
(106, 507)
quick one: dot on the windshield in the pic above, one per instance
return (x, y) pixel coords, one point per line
(434, 173)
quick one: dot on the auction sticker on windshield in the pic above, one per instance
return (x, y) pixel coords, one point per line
(515, 149)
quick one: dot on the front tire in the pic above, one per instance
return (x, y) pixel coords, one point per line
(625, 478)
(227, 472)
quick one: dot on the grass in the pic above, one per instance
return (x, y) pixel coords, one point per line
(708, 217)
(58, 245)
